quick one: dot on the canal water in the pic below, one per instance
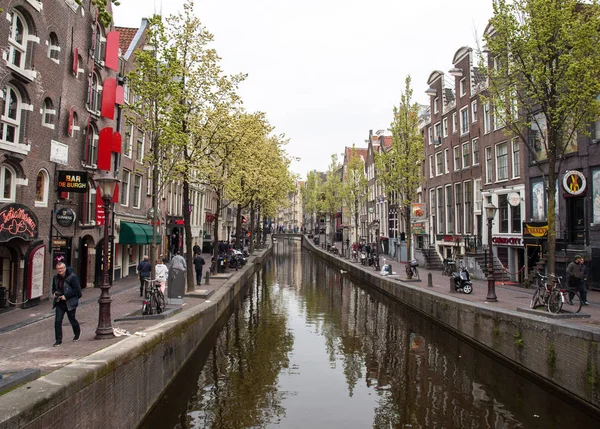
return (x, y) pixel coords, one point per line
(309, 347)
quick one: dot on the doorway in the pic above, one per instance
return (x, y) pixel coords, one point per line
(576, 220)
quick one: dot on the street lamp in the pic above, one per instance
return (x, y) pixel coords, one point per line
(106, 183)
(490, 212)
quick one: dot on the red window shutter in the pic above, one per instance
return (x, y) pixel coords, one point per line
(116, 194)
(70, 126)
(109, 92)
(104, 148)
(63, 195)
(75, 61)
(120, 95)
(111, 59)
(116, 142)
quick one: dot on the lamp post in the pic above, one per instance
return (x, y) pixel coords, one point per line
(490, 212)
(106, 183)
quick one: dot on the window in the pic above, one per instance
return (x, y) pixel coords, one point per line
(17, 40)
(537, 137)
(516, 159)
(89, 217)
(446, 165)
(7, 183)
(456, 158)
(91, 145)
(126, 92)
(437, 133)
(501, 161)
(430, 165)
(478, 196)
(458, 204)
(74, 132)
(124, 189)
(99, 43)
(11, 115)
(439, 165)
(466, 155)
(449, 218)
(488, 165)
(486, 118)
(128, 140)
(137, 191)
(48, 114)
(515, 218)
(445, 126)
(454, 122)
(463, 86)
(503, 213)
(538, 200)
(41, 189)
(53, 48)
(95, 94)
(464, 120)
(149, 180)
(440, 210)
(499, 119)
(139, 146)
(79, 63)
(474, 111)
(436, 102)
(468, 208)
(429, 135)
(432, 209)
(475, 145)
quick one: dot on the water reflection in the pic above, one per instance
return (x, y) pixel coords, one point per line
(308, 347)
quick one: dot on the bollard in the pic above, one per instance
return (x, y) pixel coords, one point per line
(452, 290)
(429, 280)
(207, 277)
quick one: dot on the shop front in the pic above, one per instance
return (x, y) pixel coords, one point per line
(511, 253)
(133, 242)
(534, 240)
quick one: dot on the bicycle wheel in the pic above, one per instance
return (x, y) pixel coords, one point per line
(555, 301)
(156, 304)
(145, 309)
(574, 301)
(535, 301)
(161, 301)
(409, 272)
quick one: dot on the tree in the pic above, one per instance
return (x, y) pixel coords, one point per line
(355, 183)
(543, 81)
(104, 16)
(333, 192)
(399, 169)
(311, 196)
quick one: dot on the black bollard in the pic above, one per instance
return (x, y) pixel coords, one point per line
(207, 277)
(452, 290)
(429, 280)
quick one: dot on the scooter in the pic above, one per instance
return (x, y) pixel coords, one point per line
(462, 280)
(363, 258)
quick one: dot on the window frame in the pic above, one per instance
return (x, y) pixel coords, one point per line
(436, 108)
(6, 121)
(462, 84)
(53, 48)
(439, 163)
(489, 167)
(457, 157)
(445, 126)
(504, 158)
(14, 46)
(48, 113)
(43, 202)
(475, 150)
(464, 120)
(516, 158)
(487, 124)
(446, 165)
(13, 185)
(124, 188)
(137, 198)
(473, 111)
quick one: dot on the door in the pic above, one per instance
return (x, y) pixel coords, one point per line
(576, 221)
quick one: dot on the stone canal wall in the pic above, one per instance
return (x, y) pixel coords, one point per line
(564, 357)
(116, 387)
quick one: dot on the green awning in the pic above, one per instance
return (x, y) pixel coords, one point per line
(136, 233)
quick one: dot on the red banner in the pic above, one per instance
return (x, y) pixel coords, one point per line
(99, 208)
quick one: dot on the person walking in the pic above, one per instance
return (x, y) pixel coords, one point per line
(144, 270)
(162, 274)
(575, 277)
(196, 248)
(198, 265)
(67, 291)
(583, 290)
(178, 262)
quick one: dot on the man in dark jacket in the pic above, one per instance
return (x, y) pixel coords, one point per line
(144, 270)
(575, 276)
(198, 264)
(66, 291)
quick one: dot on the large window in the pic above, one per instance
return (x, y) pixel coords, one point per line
(516, 158)
(456, 150)
(91, 145)
(439, 164)
(466, 155)
(17, 40)
(95, 94)
(486, 118)
(41, 189)
(446, 165)
(503, 213)
(53, 48)
(468, 208)
(475, 145)
(11, 115)
(454, 122)
(7, 184)
(48, 114)
(430, 165)
(124, 189)
(139, 146)
(445, 126)
(515, 218)
(137, 191)
(501, 161)
(449, 208)
(464, 120)
(440, 210)
(459, 209)
(99, 44)
(128, 140)
(474, 111)
(488, 165)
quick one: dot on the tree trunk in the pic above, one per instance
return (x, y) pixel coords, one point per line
(408, 232)
(551, 192)
(251, 245)
(216, 231)
(356, 222)
(155, 217)
(191, 277)
(238, 228)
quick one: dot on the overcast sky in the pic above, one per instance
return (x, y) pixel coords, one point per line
(327, 71)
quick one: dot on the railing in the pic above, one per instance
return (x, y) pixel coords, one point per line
(473, 243)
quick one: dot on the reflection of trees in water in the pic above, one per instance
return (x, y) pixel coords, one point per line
(238, 386)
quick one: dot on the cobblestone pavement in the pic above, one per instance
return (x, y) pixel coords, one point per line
(27, 335)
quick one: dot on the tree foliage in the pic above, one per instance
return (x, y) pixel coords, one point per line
(355, 184)
(333, 191)
(544, 77)
(311, 195)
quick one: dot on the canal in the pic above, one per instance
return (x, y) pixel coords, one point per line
(308, 347)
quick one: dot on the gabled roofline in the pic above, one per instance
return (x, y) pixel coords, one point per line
(461, 53)
(435, 75)
(136, 39)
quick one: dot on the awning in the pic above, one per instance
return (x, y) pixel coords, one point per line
(136, 233)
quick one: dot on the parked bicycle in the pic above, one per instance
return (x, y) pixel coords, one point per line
(412, 269)
(449, 267)
(554, 296)
(154, 299)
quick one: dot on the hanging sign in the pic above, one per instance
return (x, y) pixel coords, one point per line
(574, 182)
(35, 272)
(100, 217)
(514, 199)
(65, 216)
(72, 181)
(18, 221)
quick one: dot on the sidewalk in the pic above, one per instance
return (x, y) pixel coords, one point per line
(510, 297)
(27, 335)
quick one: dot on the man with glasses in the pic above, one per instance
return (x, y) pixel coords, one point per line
(66, 291)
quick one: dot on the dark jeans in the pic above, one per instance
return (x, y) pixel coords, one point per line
(61, 309)
(198, 277)
(142, 284)
(581, 286)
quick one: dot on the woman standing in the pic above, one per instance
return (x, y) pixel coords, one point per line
(162, 274)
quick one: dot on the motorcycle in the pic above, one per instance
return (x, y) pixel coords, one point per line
(449, 267)
(462, 280)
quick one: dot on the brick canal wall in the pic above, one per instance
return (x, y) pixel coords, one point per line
(564, 357)
(116, 387)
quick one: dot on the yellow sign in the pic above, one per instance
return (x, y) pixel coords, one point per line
(537, 231)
